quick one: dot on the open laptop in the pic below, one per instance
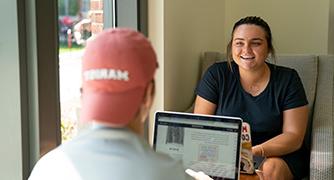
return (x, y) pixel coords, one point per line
(203, 142)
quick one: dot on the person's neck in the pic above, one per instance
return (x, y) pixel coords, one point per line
(254, 82)
(254, 76)
(137, 127)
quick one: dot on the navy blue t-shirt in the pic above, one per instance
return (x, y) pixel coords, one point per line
(222, 87)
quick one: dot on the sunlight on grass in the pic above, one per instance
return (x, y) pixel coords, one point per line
(63, 48)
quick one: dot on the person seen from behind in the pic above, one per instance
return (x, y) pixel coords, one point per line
(118, 68)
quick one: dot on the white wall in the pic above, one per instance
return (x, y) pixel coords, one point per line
(180, 31)
(191, 27)
(155, 31)
(10, 107)
(331, 28)
(299, 26)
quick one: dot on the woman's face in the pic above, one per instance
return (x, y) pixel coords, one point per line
(249, 47)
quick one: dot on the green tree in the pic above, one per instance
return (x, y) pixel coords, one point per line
(68, 7)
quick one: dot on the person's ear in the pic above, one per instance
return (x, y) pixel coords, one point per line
(149, 95)
(136, 125)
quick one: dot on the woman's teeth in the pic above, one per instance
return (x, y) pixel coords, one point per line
(247, 57)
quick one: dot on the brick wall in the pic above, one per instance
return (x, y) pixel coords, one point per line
(96, 15)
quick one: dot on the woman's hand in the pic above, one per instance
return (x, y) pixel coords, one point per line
(291, 138)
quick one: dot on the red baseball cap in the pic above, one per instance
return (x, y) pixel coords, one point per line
(117, 66)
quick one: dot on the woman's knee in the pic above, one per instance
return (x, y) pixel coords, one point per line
(268, 167)
(276, 168)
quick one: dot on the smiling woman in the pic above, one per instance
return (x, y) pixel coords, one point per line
(249, 52)
(270, 98)
(249, 47)
(260, 34)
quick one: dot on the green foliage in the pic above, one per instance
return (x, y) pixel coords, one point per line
(68, 129)
(73, 7)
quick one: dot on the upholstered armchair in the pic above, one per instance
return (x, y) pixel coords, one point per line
(317, 75)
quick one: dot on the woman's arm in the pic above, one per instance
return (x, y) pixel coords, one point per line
(203, 106)
(291, 139)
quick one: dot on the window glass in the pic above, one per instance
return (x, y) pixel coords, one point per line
(78, 20)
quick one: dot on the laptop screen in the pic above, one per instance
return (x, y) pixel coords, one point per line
(204, 143)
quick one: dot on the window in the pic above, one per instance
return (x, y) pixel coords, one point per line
(79, 20)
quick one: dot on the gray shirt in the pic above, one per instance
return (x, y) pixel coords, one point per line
(106, 153)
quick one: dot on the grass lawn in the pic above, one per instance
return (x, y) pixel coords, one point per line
(63, 48)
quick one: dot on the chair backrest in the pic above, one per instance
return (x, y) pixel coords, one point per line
(307, 68)
(209, 58)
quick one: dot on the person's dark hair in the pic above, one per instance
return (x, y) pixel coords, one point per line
(252, 20)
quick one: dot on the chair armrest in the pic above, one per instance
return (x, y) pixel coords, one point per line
(321, 159)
